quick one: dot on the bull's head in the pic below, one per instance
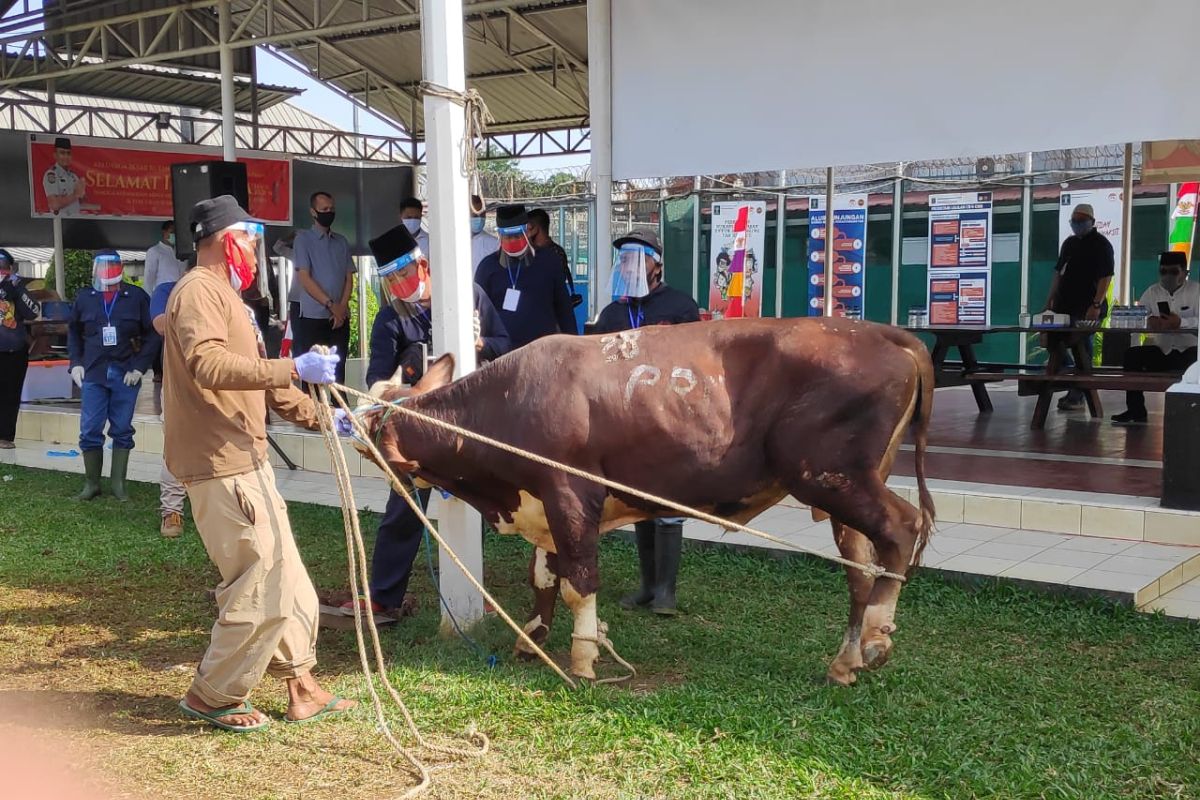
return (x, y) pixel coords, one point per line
(381, 422)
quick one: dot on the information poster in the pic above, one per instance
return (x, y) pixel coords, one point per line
(1107, 205)
(960, 259)
(849, 255)
(739, 238)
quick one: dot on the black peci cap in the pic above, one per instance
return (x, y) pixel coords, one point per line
(391, 245)
(1173, 258)
(513, 216)
(215, 215)
(62, 143)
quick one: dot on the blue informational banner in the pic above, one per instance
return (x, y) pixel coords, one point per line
(960, 259)
(849, 255)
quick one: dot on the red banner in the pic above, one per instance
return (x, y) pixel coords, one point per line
(119, 182)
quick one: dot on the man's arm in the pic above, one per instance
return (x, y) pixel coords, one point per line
(562, 306)
(496, 341)
(608, 321)
(293, 405)
(75, 336)
(385, 343)
(341, 309)
(304, 273)
(200, 323)
(1098, 299)
(151, 341)
(152, 259)
(24, 306)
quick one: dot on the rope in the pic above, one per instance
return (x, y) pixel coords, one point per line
(478, 117)
(873, 570)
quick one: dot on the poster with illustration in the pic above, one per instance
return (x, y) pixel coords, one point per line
(735, 259)
(849, 255)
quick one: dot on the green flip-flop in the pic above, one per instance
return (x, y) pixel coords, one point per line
(214, 718)
(327, 711)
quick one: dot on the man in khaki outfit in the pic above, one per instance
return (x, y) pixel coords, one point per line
(217, 387)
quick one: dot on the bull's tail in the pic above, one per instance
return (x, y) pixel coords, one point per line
(920, 429)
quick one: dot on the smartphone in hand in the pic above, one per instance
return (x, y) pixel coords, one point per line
(1164, 308)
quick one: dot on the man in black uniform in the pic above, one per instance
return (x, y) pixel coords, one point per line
(525, 285)
(643, 299)
(1081, 279)
(400, 337)
(539, 235)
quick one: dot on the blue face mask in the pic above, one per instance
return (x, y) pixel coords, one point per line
(1081, 227)
(477, 224)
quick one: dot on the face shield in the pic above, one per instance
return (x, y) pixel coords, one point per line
(514, 241)
(245, 249)
(630, 267)
(405, 281)
(107, 271)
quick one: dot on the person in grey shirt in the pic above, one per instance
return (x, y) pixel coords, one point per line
(325, 272)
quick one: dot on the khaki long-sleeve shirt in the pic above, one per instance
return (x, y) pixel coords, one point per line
(216, 386)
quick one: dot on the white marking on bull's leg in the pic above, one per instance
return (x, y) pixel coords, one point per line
(543, 578)
(530, 627)
(642, 373)
(682, 380)
(584, 647)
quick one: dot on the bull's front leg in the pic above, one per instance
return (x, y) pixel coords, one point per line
(543, 579)
(574, 521)
(579, 593)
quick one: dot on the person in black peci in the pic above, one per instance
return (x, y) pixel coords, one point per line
(640, 297)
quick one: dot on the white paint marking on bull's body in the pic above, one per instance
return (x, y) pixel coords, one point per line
(642, 373)
(621, 345)
(543, 578)
(682, 380)
(584, 647)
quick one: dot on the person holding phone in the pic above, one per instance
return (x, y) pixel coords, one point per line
(1174, 304)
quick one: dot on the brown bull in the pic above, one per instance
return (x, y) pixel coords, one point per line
(727, 417)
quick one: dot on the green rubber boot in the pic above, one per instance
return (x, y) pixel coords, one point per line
(645, 548)
(668, 546)
(120, 465)
(93, 465)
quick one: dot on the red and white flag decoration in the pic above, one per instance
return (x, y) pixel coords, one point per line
(285, 349)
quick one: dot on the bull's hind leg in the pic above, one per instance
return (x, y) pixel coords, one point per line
(543, 579)
(895, 543)
(856, 547)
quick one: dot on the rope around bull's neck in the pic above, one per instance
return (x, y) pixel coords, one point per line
(872, 570)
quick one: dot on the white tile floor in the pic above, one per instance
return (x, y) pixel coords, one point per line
(1118, 567)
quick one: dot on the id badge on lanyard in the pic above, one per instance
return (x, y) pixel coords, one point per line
(108, 334)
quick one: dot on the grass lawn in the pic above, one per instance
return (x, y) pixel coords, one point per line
(992, 692)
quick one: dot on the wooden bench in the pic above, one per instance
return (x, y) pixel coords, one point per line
(1044, 386)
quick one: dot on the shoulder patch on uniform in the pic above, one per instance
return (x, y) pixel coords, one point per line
(51, 177)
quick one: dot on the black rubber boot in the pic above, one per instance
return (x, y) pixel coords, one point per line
(120, 466)
(645, 531)
(668, 546)
(93, 465)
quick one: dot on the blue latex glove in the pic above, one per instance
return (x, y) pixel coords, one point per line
(341, 422)
(313, 367)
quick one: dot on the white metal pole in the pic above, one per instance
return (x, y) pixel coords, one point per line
(897, 239)
(1172, 193)
(1126, 226)
(828, 241)
(60, 262)
(780, 235)
(453, 300)
(225, 32)
(599, 25)
(1026, 245)
(696, 241)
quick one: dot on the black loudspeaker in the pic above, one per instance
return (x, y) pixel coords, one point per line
(202, 180)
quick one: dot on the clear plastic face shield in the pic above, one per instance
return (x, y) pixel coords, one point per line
(245, 250)
(630, 268)
(107, 271)
(514, 241)
(405, 281)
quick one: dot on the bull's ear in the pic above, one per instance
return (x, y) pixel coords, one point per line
(440, 373)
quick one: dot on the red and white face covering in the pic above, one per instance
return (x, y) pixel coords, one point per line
(241, 254)
(107, 272)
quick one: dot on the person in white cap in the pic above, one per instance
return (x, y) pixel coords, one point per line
(1081, 279)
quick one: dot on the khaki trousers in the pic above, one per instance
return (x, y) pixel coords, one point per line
(268, 606)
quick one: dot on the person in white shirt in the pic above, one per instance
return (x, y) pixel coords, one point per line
(411, 210)
(161, 264)
(1174, 304)
(64, 188)
(483, 244)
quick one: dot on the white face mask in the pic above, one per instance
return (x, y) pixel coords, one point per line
(413, 225)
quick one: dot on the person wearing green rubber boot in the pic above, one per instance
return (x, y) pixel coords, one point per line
(640, 297)
(111, 344)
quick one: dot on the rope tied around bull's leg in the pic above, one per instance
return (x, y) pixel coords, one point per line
(871, 570)
(601, 639)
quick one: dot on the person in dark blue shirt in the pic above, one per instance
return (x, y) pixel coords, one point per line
(112, 344)
(640, 297)
(16, 308)
(525, 285)
(400, 336)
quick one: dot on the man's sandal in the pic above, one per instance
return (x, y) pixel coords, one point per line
(215, 718)
(327, 711)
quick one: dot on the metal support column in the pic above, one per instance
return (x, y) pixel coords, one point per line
(1122, 291)
(228, 108)
(828, 242)
(453, 302)
(780, 236)
(1026, 245)
(897, 239)
(60, 259)
(254, 100)
(696, 241)
(599, 31)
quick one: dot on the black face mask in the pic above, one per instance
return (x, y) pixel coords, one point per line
(324, 218)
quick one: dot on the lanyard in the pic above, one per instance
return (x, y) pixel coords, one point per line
(635, 323)
(511, 280)
(108, 307)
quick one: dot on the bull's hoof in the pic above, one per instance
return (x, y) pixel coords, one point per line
(840, 675)
(524, 655)
(584, 674)
(876, 652)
